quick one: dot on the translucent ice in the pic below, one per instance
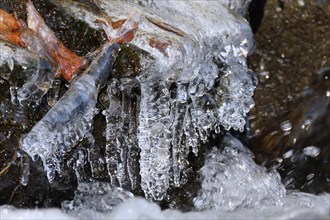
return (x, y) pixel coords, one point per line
(95, 200)
(11, 54)
(154, 137)
(121, 132)
(37, 79)
(66, 124)
(37, 86)
(193, 80)
(232, 180)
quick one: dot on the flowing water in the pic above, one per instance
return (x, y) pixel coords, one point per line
(160, 127)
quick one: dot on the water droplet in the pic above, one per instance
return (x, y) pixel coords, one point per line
(286, 126)
(310, 176)
(288, 154)
(312, 151)
(301, 3)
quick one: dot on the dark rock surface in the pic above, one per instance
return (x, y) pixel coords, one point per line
(291, 60)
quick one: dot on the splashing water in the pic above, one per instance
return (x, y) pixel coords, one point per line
(236, 188)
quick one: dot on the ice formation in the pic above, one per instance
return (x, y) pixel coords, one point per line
(121, 132)
(72, 116)
(99, 196)
(193, 80)
(37, 77)
(38, 85)
(229, 180)
(10, 54)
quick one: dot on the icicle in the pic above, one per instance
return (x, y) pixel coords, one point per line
(121, 149)
(114, 124)
(154, 138)
(25, 164)
(238, 85)
(179, 154)
(129, 115)
(94, 156)
(78, 162)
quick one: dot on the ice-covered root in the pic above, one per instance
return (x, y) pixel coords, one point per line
(10, 28)
(66, 124)
(68, 63)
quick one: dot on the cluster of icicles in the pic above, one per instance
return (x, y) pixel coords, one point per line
(194, 80)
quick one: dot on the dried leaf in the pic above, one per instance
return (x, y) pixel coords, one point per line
(10, 27)
(68, 62)
(121, 31)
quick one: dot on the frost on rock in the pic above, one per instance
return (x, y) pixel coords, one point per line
(232, 180)
(95, 200)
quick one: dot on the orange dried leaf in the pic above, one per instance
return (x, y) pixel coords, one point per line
(12, 37)
(10, 28)
(118, 24)
(8, 22)
(121, 31)
(68, 62)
